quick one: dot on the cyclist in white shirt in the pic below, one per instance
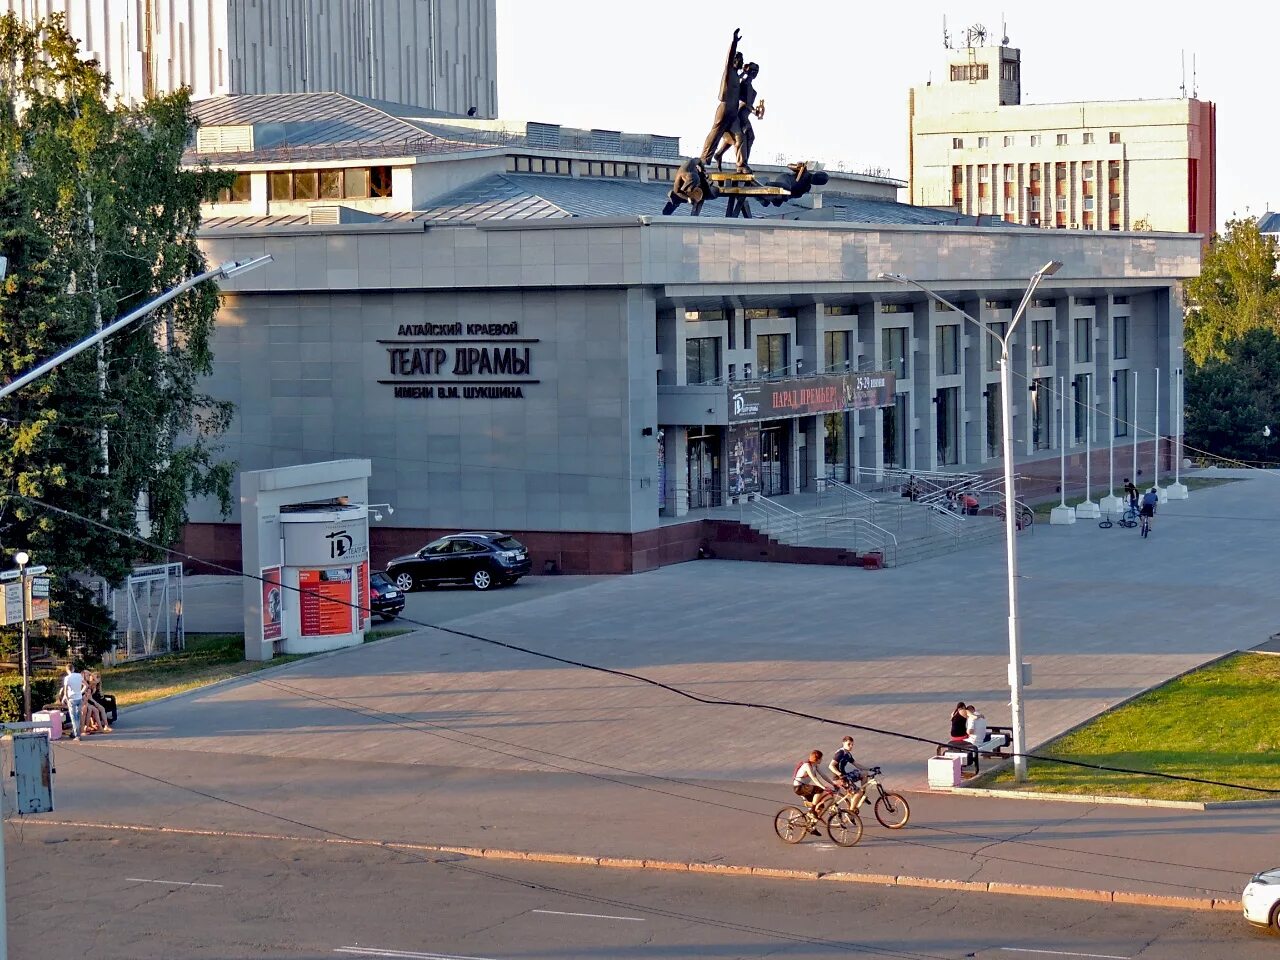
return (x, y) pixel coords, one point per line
(809, 781)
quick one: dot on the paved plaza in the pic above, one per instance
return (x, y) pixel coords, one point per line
(1105, 614)
(439, 737)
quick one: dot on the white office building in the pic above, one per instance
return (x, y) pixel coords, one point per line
(436, 54)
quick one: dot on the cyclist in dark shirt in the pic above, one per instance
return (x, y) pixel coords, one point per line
(844, 768)
(1131, 491)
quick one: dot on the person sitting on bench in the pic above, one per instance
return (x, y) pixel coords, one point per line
(959, 723)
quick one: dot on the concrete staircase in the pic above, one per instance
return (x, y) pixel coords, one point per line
(872, 524)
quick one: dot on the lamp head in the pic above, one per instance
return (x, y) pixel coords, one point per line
(21, 558)
(1050, 268)
(895, 277)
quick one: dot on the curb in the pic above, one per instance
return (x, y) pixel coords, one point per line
(1118, 801)
(715, 869)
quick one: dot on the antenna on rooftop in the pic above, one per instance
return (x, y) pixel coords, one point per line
(1004, 32)
(946, 37)
(1195, 92)
(1182, 88)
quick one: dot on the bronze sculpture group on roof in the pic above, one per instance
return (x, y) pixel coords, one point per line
(694, 185)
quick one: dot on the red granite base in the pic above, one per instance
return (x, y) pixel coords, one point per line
(215, 547)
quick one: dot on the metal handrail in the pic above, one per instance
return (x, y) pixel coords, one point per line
(951, 522)
(770, 509)
(887, 539)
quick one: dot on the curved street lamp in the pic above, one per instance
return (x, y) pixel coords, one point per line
(1010, 513)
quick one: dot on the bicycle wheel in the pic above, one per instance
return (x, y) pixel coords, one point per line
(844, 828)
(791, 824)
(1106, 523)
(892, 810)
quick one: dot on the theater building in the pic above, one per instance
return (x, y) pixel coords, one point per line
(501, 321)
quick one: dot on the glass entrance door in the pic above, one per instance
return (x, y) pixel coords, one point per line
(775, 458)
(703, 460)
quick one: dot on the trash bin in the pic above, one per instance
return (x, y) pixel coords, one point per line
(53, 718)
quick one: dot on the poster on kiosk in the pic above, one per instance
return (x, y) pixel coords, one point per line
(326, 554)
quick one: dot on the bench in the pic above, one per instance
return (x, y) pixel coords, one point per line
(997, 745)
(108, 704)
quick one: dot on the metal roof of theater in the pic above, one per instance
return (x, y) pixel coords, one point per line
(518, 197)
(508, 196)
(314, 126)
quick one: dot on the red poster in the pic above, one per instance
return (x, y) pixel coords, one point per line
(325, 601)
(362, 580)
(272, 604)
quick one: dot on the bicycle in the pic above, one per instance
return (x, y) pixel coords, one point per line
(844, 826)
(891, 809)
(1146, 524)
(1127, 519)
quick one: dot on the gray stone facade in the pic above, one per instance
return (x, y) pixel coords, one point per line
(306, 349)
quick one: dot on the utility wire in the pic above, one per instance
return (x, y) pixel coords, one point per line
(414, 857)
(639, 678)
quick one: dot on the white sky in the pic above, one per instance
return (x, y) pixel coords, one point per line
(835, 75)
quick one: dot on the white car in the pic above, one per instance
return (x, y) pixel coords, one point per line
(1261, 898)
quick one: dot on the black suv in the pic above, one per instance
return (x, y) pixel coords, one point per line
(481, 559)
(385, 600)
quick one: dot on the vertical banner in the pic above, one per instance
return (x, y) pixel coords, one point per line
(362, 577)
(324, 599)
(744, 459)
(12, 603)
(272, 604)
(38, 605)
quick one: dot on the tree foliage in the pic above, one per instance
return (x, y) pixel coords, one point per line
(98, 217)
(1230, 400)
(1237, 291)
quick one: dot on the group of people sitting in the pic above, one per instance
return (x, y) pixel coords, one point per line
(78, 699)
(957, 500)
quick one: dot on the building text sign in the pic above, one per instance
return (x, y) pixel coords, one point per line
(459, 361)
(802, 396)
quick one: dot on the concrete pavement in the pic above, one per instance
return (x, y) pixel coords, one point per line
(156, 897)
(436, 737)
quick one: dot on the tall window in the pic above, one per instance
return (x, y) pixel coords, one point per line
(1035, 139)
(702, 359)
(1120, 406)
(1008, 141)
(893, 350)
(995, 423)
(893, 435)
(1042, 414)
(1041, 343)
(771, 356)
(993, 345)
(1088, 138)
(1121, 338)
(948, 345)
(1084, 339)
(835, 448)
(1062, 139)
(948, 414)
(1082, 395)
(837, 350)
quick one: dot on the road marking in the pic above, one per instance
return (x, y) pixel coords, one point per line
(172, 883)
(593, 916)
(1063, 953)
(401, 954)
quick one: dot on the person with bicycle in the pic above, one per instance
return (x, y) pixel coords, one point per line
(809, 782)
(844, 768)
(1148, 511)
(1131, 492)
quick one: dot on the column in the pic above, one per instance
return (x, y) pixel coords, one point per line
(675, 447)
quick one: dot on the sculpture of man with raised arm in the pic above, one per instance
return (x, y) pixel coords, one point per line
(730, 90)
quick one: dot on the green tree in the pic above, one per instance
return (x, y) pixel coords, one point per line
(1230, 400)
(98, 217)
(1237, 291)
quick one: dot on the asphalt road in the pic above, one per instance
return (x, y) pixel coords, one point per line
(94, 893)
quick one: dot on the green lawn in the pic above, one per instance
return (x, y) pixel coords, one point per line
(207, 659)
(1218, 723)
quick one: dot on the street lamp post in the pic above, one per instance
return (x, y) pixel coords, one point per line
(1016, 677)
(224, 272)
